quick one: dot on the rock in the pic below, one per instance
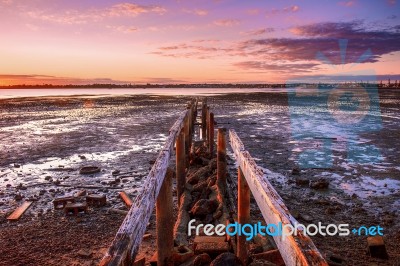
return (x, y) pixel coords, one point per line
(202, 259)
(200, 174)
(256, 249)
(319, 184)
(181, 254)
(85, 253)
(261, 263)
(57, 182)
(48, 178)
(330, 210)
(302, 181)
(18, 197)
(296, 171)
(82, 157)
(336, 259)
(203, 207)
(21, 187)
(272, 256)
(200, 186)
(17, 165)
(226, 259)
(87, 170)
(42, 192)
(295, 214)
(116, 172)
(306, 218)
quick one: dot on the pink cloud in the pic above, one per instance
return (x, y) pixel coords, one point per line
(253, 11)
(258, 31)
(289, 9)
(198, 12)
(129, 9)
(70, 17)
(227, 22)
(347, 3)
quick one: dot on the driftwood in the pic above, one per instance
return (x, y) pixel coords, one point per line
(295, 250)
(126, 243)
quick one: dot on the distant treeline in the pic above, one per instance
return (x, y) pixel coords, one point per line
(205, 85)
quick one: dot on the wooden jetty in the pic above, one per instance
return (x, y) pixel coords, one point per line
(157, 192)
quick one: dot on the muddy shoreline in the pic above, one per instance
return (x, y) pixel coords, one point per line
(45, 141)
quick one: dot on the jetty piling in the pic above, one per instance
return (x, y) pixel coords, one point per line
(165, 221)
(243, 215)
(211, 133)
(221, 156)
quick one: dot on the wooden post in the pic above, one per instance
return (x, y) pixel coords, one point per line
(180, 165)
(190, 117)
(207, 123)
(204, 121)
(211, 134)
(243, 215)
(165, 222)
(187, 133)
(221, 157)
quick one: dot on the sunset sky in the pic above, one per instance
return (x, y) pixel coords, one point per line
(189, 41)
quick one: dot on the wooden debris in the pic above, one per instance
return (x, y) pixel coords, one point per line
(376, 247)
(75, 208)
(126, 198)
(19, 211)
(87, 170)
(96, 200)
(80, 193)
(59, 203)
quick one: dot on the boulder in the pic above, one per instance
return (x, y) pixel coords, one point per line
(226, 259)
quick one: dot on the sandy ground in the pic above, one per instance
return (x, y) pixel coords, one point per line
(44, 143)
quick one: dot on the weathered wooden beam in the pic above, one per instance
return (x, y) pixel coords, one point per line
(295, 250)
(126, 243)
(165, 222)
(180, 165)
(243, 215)
(19, 211)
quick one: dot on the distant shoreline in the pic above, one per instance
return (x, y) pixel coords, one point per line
(200, 86)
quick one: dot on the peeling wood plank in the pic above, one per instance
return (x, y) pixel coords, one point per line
(19, 211)
(126, 243)
(295, 250)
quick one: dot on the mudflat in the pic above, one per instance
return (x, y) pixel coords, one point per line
(46, 141)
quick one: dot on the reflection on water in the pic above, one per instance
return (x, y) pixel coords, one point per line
(14, 93)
